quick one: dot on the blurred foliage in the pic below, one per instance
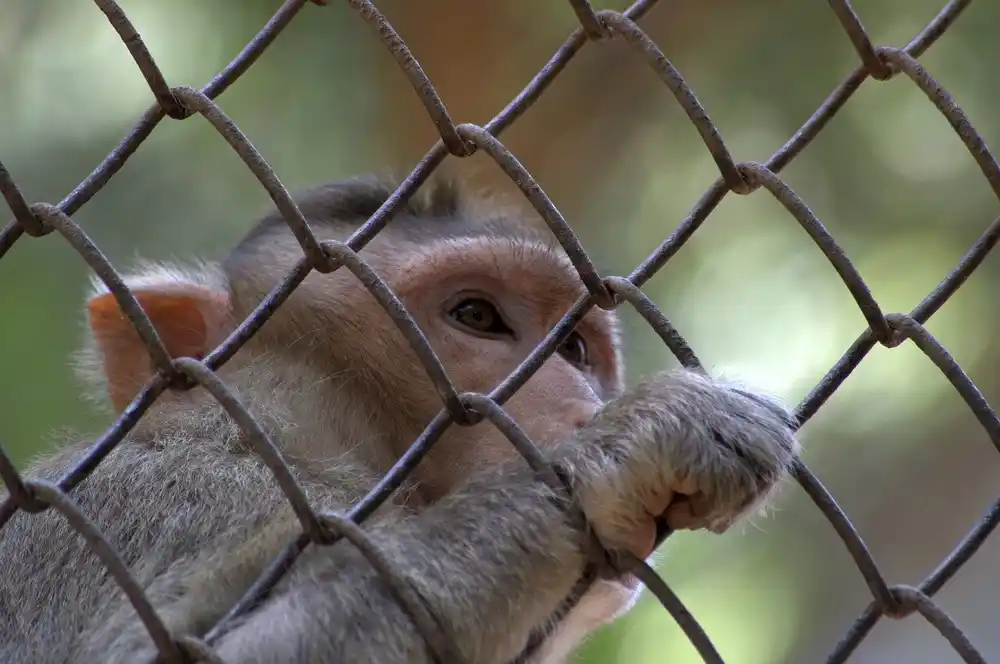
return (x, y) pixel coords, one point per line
(752, 294)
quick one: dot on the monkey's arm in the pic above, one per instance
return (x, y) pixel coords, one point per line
(492, 560)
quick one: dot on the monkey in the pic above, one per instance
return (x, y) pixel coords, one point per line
(489, 548)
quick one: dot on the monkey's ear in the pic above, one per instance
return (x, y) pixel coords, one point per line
(191, 318)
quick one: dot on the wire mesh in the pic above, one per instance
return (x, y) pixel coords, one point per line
(460, 140)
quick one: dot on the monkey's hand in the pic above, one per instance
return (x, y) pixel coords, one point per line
(681, 448)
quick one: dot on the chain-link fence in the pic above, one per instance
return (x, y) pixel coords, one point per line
(890, 330)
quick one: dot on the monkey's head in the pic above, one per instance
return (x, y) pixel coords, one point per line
(484, 286)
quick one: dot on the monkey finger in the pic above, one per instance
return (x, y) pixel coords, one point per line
(687, 486)
(721, 525)
(644, 539)
(657, 502)
(679, 516)
(701, 505)
(689, 512)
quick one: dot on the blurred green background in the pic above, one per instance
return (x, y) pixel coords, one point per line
(752, 294)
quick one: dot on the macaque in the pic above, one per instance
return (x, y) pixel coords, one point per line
(488, 546)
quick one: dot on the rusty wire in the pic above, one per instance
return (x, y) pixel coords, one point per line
(181, 102)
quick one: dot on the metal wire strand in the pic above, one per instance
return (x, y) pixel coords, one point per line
(180, 102)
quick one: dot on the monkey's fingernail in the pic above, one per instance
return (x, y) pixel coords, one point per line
(679, 515)
(701, 506)
(720, 526)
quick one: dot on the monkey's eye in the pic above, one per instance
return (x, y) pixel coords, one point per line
(574, 350)
(479, 315)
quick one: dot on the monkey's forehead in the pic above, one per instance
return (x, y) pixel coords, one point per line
(544, 265)
(407, 235)
(339, 207)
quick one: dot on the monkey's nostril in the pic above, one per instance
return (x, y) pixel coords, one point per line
(581, 417)
(583, 420)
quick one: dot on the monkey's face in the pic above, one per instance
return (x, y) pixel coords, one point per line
(484, 306)
(483, 298)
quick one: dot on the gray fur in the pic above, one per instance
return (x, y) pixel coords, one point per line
(492, 560)
(197, 516)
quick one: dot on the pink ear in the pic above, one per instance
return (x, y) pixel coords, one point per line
(189, 318)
